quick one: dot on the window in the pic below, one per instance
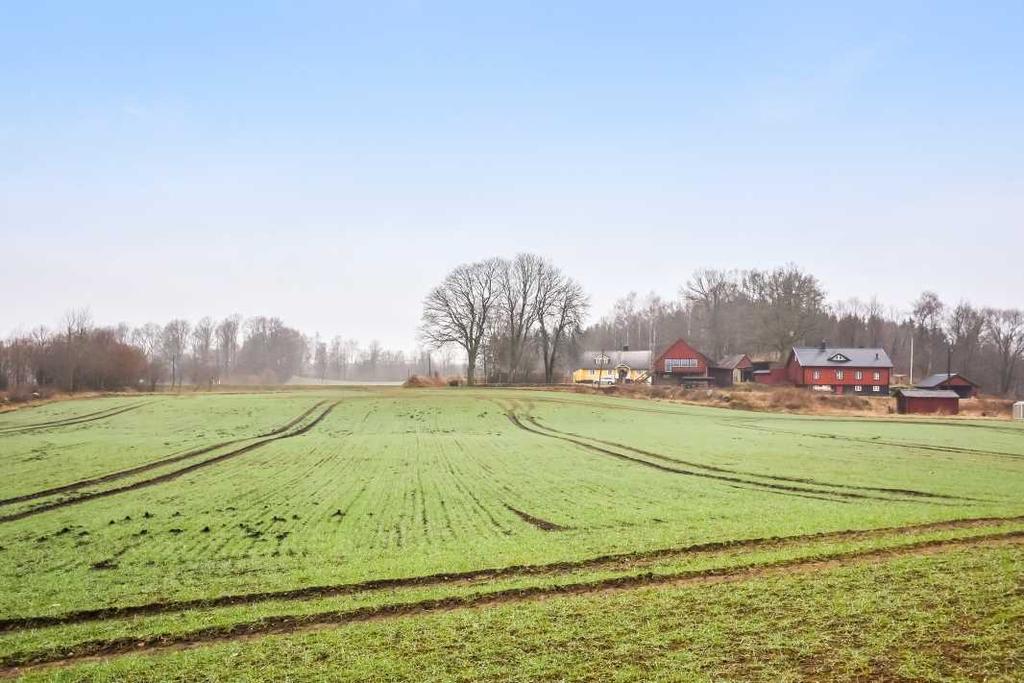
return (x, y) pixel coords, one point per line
(859, 374)
(839, 374)
(858, 388)
(671, 363)
(876, 388)
(817, 374)
(877, 375)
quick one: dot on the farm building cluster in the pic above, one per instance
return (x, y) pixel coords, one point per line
(823, 368)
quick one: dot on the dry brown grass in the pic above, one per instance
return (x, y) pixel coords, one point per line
(781, 399)
(421, 381)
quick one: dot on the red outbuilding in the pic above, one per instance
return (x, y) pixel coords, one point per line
(840, 370)
(938, 401)
(951, 381)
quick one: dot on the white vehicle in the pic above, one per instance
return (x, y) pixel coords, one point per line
(606, 381)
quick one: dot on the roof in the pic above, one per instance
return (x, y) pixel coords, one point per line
(927, 393)
(815, 357)
(730, 362)
(636, 360)
(939, 378)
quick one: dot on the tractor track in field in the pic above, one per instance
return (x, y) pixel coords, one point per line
(878, 442)
(767, 487)
(67, 422)
(169, 460)
(608, 561)
(168, 476)
(542, 524)
(797, 480)
(100, 650)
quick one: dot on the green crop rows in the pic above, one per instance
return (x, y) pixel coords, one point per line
(170, 520)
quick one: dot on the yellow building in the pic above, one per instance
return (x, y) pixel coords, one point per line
(612, 367)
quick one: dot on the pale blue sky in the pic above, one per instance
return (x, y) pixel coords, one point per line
(328, 163)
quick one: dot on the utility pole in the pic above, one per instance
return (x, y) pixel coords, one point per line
(911, 356)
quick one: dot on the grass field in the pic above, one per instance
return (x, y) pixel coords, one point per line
(458, 534)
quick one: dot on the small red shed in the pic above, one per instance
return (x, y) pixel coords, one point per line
(952, 381)
(925, 401)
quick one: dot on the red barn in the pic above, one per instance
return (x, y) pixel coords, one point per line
(938, 401)
(840, 369)
(682, 364)
(950, 381)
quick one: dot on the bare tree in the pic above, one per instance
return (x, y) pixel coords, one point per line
(965, 328)
(1005, 330)
(710, 291)
(561, 307)
(788, 304)
(227, 344)
(203, 370)
(149, 338)
(519, 282)
(458, 310)
(175, 338)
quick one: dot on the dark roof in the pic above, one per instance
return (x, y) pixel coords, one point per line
(730, 362)
(635, 360)
(816, 357)
(927, 393)
(935, 380)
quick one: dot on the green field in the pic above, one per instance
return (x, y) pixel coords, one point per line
(461, 534)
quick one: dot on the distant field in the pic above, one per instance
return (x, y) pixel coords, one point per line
(455, 533)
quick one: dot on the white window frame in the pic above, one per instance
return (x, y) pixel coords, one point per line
(877, 376)
(859, 374)
(817, 374)
(858, 388)
(876, 388)
(671, 363)
(840, 375)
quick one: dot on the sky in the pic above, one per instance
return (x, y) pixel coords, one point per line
(329, 162)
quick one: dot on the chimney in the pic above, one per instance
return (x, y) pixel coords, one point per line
(877, 356)
(823, 345)
(625, 347)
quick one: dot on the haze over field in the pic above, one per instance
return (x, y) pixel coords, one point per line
(329, 164)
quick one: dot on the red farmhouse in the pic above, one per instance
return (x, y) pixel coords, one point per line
(840, 370)
(682, 364)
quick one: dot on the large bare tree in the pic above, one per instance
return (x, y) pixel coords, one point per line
(175, 339)
(519, 282)
(561, 308)
(1005, 330)
(459, 309)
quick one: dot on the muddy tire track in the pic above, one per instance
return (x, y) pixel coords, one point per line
(796, 480)
(67, 422)
(288, 624)
(766, 487)
(542, 524)
(120, 474)
(169, 476)
(489, 574)
(879, 442)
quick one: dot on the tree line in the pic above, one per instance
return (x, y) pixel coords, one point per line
(81, 356)
(765, 312)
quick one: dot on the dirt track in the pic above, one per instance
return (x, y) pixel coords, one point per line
(120, 474)
(68, 421)
(170, 475)
(290, 624)
(487, 574)
(740, 482)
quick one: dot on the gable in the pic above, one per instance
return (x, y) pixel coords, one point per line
(838, 358)
(680, 350)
